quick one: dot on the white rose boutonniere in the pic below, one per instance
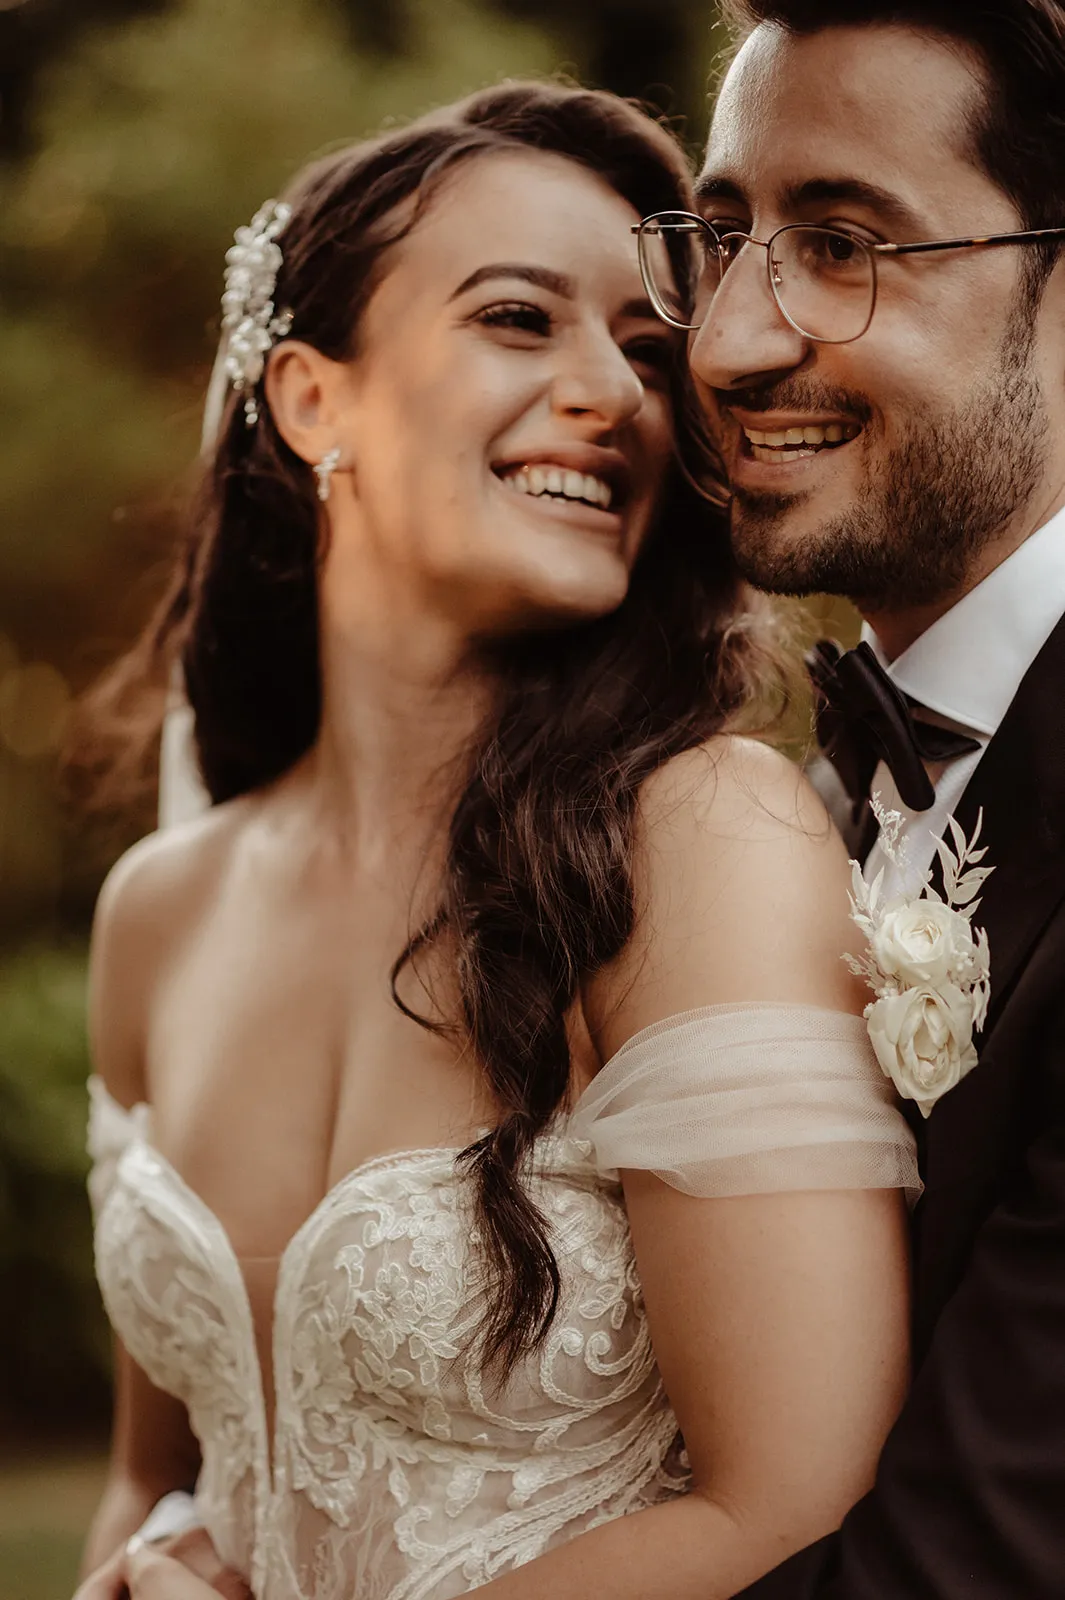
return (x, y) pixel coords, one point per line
(929, 969)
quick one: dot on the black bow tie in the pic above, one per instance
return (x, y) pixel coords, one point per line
(863, 718)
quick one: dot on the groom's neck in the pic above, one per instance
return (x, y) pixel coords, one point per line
(896, 628)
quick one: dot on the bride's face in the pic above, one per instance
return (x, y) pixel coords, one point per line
(508, 420)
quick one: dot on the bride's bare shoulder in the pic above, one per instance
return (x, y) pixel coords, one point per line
(164, 875)
(740, 892)
(731, 789)
(150, 903)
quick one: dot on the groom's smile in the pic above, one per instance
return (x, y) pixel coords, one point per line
(781, 449)
(879, 459)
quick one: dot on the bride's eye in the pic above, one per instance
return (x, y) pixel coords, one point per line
(516, 316)
(652, 356)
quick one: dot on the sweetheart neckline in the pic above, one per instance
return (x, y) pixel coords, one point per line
(142, 1142)
(140, 1146)
(421, 1153)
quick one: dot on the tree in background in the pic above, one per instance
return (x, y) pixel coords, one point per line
(652, 49)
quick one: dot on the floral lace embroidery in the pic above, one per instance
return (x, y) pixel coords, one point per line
(397, 1472)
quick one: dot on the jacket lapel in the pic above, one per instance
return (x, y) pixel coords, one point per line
(1020, 787)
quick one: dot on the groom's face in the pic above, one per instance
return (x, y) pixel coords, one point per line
(945, 420)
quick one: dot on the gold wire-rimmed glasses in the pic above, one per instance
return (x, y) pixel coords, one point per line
(823, 280)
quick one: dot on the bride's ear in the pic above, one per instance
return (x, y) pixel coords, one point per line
(308, 395)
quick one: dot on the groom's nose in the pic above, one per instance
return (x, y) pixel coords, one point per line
(746, 338)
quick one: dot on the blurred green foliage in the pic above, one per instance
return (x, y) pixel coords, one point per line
(53, 1341)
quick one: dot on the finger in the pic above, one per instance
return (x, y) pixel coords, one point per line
(153, 1576)
(106, 1583)
(231, 1586)
(194, 1550)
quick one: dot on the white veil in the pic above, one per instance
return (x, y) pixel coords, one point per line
(181, 788)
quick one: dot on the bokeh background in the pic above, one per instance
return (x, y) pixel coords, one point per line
(135, 135)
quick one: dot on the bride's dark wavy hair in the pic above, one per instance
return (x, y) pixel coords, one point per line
(537, 889)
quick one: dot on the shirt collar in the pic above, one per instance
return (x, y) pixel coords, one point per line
(969, 664)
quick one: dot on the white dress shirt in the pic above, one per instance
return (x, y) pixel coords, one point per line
(965, 669)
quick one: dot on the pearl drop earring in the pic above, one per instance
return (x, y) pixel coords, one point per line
(324, 470)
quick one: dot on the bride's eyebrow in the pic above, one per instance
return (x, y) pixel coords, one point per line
(542, 277)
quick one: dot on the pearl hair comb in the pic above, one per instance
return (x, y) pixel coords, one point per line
(250, 323)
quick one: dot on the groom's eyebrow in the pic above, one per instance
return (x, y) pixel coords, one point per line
(820, 191)
(708, 187)
(854, 191)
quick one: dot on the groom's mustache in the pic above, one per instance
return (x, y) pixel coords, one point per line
(796, 395)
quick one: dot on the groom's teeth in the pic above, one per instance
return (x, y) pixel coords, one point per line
(780, 446)
(762, 453)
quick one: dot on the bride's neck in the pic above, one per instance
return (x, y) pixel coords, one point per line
(402, 702)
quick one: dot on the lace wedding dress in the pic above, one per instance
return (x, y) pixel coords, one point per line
(352, 1449)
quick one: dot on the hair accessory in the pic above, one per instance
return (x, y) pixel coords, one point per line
(250, 325)
(324, 471)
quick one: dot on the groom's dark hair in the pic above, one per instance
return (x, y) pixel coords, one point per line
(1017, 132)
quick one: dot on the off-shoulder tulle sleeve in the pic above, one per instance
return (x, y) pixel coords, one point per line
(750, 1099)
(111, 1129)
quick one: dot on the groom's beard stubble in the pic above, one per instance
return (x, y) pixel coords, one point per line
(935, 502)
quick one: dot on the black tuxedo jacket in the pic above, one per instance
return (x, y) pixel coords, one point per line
(969, 1499)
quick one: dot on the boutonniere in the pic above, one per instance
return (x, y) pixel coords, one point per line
(928, 967)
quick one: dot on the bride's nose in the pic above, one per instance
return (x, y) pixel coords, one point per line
(595, 379)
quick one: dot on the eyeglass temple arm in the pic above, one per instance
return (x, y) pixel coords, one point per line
(696, 225)
(1030, 237)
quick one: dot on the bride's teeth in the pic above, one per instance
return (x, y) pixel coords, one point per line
(560, 483)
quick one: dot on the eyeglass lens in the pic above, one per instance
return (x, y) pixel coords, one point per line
(823, 281)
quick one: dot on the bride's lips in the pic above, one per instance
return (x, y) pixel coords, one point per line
(584, 486)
